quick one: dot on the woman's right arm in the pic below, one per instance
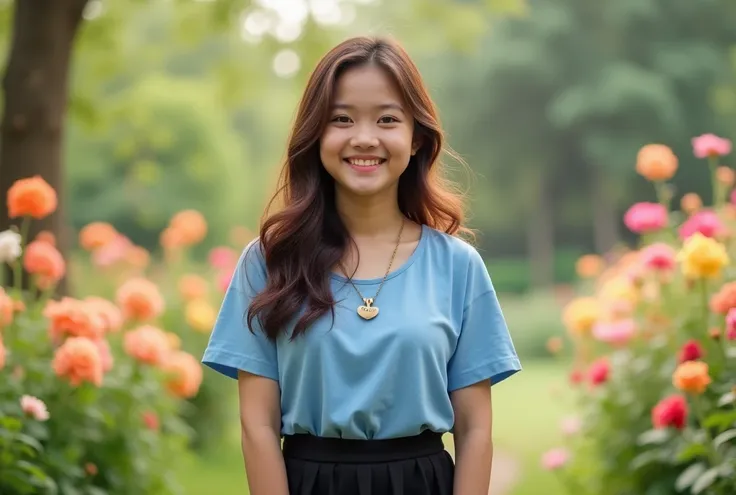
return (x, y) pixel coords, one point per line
(260, 420)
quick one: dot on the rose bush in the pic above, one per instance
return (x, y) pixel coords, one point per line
(95, 387)
(654, 339)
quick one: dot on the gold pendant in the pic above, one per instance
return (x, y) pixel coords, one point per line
(367, 312)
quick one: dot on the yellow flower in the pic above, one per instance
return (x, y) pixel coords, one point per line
(702, 257)
(581, 314)
(200, 315)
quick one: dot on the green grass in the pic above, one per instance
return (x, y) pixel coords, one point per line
(526, 423)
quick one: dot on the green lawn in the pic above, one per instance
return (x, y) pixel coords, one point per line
(526, 423)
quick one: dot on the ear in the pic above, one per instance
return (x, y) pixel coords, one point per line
(416, 145)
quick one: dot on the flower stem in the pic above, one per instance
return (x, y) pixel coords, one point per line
(18, 264)
(704, 303)
(698, 408)
(712, 164)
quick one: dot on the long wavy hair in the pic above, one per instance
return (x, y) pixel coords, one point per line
(305, 239)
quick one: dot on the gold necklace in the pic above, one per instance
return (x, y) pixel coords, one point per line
(368, 311)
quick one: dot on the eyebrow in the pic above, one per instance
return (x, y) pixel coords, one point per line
(385, 106)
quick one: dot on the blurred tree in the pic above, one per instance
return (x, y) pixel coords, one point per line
(37, 74)
(571, 92)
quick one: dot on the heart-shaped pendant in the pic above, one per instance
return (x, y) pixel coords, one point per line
(367, 312)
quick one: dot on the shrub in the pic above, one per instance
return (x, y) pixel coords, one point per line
(655, 342)
(90, 390)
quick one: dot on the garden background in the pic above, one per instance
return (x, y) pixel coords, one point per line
(136, 111)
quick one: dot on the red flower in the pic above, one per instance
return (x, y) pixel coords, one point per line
(598, 372)
(691, 351)
(150, 419)
(671, 411)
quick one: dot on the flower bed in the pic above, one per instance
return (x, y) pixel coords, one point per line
(654, 338)
(98, 392)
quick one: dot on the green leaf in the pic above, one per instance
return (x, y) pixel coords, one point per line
(689, 475)
(720, 420)
(653, 437)
(705, 480)
(30, 441)
(692, 451)
(724, 437)
(646, 458)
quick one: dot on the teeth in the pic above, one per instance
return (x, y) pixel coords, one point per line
(364, 163)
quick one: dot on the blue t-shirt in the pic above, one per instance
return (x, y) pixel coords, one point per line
(439, 329)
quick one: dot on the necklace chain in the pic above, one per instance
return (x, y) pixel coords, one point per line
(369, 301)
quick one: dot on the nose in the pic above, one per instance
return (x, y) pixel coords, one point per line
(364, 138)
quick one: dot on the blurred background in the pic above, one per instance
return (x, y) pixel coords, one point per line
(186, 104)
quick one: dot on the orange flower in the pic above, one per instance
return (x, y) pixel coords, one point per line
(45, 261)
(78, 359)
(691, 377)
(109, 313)
(656, 162)
(190, 225)
(47, 237)
(137, 256)
(32, 197)
(147, 344)
(589, 266)
(690, 203)
(185, 375)
(171, 239)
(73, 317)
(192, 287)
(554, 345)
(105, 354)
(174, 341)
(725, 299)
(96, 235)
(725, 175)
(140, 300)
(6, 309)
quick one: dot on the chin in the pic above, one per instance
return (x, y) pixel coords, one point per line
(362, 190)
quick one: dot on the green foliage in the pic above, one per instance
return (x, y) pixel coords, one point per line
(532, 320)
(170, 148)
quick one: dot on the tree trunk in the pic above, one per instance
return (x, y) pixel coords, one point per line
(540, 236)
(35, 101)
(605, 219)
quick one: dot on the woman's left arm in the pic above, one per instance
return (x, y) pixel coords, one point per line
(473, 438)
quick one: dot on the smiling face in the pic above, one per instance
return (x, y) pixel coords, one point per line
(367, 143)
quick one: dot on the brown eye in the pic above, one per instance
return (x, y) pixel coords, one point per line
(388, 120)
(341, 119)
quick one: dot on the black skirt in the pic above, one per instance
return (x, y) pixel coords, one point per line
(417, 465)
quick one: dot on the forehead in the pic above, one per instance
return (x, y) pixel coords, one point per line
(366, 85)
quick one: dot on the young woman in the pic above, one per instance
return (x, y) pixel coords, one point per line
(360, 328)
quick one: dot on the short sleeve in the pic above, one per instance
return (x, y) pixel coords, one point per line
(232, 346)
(484, 349)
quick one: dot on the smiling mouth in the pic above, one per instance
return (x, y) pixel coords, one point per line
(367, 163)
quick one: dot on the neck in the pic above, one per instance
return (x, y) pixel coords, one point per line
(374, 216)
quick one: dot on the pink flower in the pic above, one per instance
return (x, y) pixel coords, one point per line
(223, 258)
(112, 252)
(571, 426)
(659, 256)
(223, 281)
(691, 351)
(555, 459)
(731, 334)
(731, 320)
(615, 333)
(705, 222)
(34, 408)
(646, 217)
(710, 145)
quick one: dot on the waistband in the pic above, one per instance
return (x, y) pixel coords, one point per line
(338, 450)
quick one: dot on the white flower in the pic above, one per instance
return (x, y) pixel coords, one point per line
(34, 408)
(9, 246)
